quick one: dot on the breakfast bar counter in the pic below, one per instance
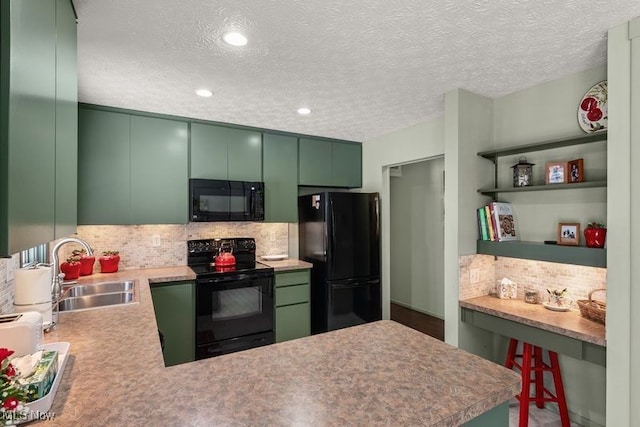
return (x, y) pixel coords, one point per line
(381, 373)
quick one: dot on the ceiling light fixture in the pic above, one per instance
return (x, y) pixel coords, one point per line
(234, 38)
(304, 111)
(205, 93)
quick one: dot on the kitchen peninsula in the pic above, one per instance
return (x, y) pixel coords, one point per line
(378, 373)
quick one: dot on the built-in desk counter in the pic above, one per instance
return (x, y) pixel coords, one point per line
(564, 332)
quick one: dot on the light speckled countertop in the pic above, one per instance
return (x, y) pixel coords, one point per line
(379, 373)
(288, 264)
(569, 323)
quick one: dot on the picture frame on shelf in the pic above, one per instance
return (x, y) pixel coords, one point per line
(555, 172)
(569, 233)
(576, 170)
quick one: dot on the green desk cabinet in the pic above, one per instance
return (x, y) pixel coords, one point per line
(174, 305)
(280, 173)
(292, 301)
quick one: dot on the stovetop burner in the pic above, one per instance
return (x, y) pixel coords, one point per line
(211, 269)
(201, 256)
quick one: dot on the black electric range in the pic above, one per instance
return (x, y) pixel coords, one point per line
(234, 304)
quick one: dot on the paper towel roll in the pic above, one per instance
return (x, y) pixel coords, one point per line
(32, 285)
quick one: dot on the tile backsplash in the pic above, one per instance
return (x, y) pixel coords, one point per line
(135, 243)
(538, 275)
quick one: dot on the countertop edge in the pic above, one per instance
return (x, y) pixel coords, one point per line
(477, 306)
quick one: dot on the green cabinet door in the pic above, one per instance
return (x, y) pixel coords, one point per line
(292, 309)
(245, 155)
(346, 162)
(103, 167)
(280, 175)
(209, 151)
(27, 127)
(220, 152)
(292, 321)
(314, 162)
(174, 306)
(159, 171)
(66, 202)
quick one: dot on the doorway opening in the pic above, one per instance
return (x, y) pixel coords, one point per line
(416, 196)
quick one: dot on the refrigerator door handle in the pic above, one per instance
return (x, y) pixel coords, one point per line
(355, 284)
(377, 209)
(333, 227)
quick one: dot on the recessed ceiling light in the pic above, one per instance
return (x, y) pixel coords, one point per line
(234, 38)
(304, 111)
(205, 93)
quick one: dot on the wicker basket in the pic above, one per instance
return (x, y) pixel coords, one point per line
(592, 309)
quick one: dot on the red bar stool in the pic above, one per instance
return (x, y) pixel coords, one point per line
(531, 362)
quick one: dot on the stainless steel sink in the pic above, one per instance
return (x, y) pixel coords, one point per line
(100, 288)
(91, 296)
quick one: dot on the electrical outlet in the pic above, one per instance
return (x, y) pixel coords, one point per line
(155, 240)
(272, 236)
(474, 275)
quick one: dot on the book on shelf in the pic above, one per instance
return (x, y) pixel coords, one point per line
(505, 224)
(490, 224)
(482, 224)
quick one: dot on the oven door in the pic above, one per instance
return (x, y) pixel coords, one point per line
(231, 307)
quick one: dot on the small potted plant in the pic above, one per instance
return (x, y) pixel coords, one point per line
(71, 267)
(595, 234)
(13, 397)
(109, 261)
(559, 297)
(86, 262)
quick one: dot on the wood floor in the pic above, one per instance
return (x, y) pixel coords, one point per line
(424, 323)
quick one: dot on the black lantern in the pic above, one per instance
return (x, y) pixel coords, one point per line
(522, 173)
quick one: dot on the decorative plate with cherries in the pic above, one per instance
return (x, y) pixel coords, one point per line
(592, 112)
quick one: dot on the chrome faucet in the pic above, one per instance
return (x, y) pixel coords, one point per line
(55, 267)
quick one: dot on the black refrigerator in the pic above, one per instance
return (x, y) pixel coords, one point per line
(339, 233)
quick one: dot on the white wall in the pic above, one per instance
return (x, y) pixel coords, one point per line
(419, 142)
(417, 237)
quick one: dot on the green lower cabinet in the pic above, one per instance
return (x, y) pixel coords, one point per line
(292, 321)
(174, 305)
(292, 302)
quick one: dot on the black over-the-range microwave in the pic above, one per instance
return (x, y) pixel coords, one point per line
(221, 200)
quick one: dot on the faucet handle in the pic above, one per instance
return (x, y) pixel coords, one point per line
(61, 277)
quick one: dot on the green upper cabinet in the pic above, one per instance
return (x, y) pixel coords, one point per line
(346, 163)
(104, 167)
(30, 38)
(66, 211)
(132, 169)
(220, 152)
(280, 174)
(159, 185)
(327, 163)
(209, 151)
(314, 162)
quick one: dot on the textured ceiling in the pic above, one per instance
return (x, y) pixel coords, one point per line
(364, 68)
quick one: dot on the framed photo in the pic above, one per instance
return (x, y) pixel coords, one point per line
(556, 173)
(576, 170)
(569, 233)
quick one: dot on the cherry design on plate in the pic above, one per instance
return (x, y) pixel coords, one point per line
(589, 104)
